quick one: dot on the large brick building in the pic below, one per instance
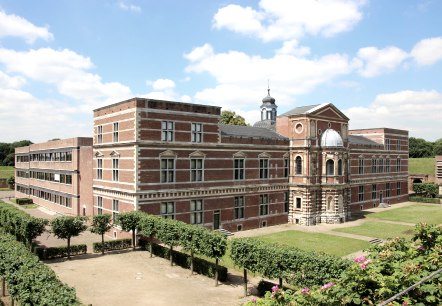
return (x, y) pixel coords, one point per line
(56, 175)
(305, 166)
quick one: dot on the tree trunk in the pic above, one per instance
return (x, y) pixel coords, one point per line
(150, 246)
(102, 244)
(216, 272)
(3, 287)
(69, 248)
(280, 282)
(171, 255)
(133, 240)
(191, 262)
(12, 301)
(30, 244)
(245, 282)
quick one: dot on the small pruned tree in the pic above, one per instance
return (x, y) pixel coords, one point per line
(242, 256)
(66, 227)
(11, 182)
(148, 228)
(214, 246)
(100, 225)
(130, 221)
(169, 232)
(32, 228)
(191, 240)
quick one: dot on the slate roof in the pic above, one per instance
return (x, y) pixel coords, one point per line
(249, 131)
(299, 110)
(355, 139)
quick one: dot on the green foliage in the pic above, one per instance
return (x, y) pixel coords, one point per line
(297, 267)
(18, 223)
(437, 149)
(66, 227)
(429, 190)
(60, 252)
(29, 281)
(11, 180)
(130, 221)
(419, 147)
(101, 224)
(387, 270)
(7, 151)
(424, 200)
(231, 118)
(23, 201)
(201, 266)
(118, 244)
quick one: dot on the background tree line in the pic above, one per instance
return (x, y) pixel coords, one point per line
(7, 155)
(419, 147)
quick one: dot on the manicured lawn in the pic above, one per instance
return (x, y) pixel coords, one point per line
(429, 213)
(6, 171)
(379, 230)
(421, 166)
(333, 245)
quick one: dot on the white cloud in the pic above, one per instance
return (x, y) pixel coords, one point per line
(164, 89)
(286, 20)
(374, 61)
(16, 26)
(416, 111)
(129, 7)
(291, 47)
(7, 81)
(163, 84)
(428, 51)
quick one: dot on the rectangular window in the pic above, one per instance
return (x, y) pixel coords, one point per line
(239, 169)
(99, 169)
(374, 191)
(197, 129)
(387, 165)
(100, 134)
(167, 170)
(286, 167)
(115, 210)
(115, 171)
(263, 204)
(398, 188)
(263, 168)
(196, 170)
(286, 201)
(196, 211)
(373, 165)
(361, 166)
(398, 165)
(398, 144)
(99, 205)
(167, 130)
(167, 210)
(387, 144)
(361, 193)
(298, 203)
(239, 207)
(381, 166)
(68, 178)
(116, 128)
(68, 156)
(387, 190)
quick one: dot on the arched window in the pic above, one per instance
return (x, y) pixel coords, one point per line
(298, 165)
(330, 203)
(330, 167)
(340, 167)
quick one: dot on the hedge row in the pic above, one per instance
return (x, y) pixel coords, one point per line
(111, 245)
(23, 201)
(295, 266)
(425, 200)
(59, 252)
(181, 259)
(16, 222)
(29, 281)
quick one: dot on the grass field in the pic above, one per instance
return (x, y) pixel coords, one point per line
(379, 230)
(6, 171)
(429, 213)
(421, 166)
(333, 245)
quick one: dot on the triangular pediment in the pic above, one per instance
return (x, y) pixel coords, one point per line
(168, 153)
(99, 154)
(115, 154)
(197, 154)
(328, 111)
(264, 155)
(239, 154)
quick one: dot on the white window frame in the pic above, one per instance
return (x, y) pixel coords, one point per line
(196, 211)
(197, 132)
(167, 131)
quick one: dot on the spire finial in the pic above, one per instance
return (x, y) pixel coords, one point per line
(268, 87)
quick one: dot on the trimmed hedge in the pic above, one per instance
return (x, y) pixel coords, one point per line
(23, 201)
(425, 200)
(201, 266)
(118, 244)
(60, 252)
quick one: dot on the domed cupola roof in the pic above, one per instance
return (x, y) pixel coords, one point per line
(268, 99)
(331, 138)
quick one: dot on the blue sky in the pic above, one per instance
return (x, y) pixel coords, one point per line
(378, 61)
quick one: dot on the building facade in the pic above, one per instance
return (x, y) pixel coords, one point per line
(438, 174)
(175, 160)
(56, 175)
